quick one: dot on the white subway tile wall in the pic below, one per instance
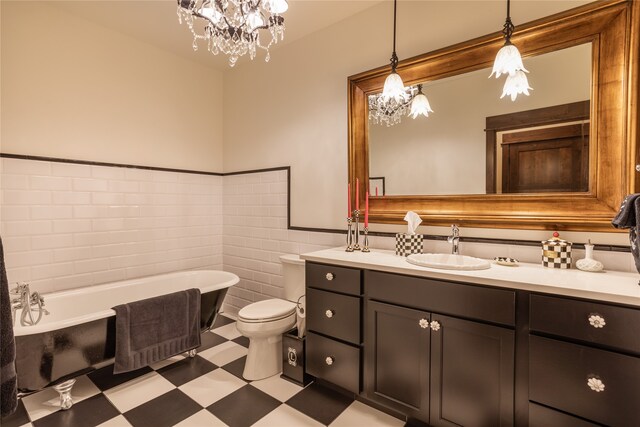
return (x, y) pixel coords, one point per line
(256, 234)
(69, 225)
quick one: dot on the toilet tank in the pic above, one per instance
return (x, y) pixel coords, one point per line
(293, 276)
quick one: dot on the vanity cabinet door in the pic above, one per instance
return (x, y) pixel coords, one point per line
(472, 373)
(397, 358)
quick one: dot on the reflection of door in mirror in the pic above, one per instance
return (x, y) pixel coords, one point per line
(545, 160)
(445, 153)
(538, 151)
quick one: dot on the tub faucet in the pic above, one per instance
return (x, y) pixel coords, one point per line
(454, 239)
(24, 301)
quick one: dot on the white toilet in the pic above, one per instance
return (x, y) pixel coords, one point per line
(264, 322)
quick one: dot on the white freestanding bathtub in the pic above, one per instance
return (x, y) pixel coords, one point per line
(79, 332)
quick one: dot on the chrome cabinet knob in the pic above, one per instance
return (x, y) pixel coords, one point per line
(597, 321)
(330, 276)
(595, 384)
(329, 360)
(435, 325)
(329, 313)
(424, 323)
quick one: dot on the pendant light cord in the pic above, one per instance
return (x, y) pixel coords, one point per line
(394, 56)
(508, 25)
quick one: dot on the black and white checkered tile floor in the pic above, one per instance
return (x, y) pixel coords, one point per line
(207, 390)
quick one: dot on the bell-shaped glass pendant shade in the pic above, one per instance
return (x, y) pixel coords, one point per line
(275, 6)
(209, 11)
(393, 88)
(508, 61)
(254, 20)
(420, 106)
(516, 84)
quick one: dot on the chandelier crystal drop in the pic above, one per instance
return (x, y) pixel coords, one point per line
(509, 62)
(234, 27)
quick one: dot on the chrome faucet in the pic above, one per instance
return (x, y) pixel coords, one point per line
(24, 301)
(454, 239)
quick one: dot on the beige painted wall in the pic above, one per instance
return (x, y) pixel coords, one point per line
(74, 89)
(293, 110)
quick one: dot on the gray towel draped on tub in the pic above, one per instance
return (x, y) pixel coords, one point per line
(155, 329)
(8, 380)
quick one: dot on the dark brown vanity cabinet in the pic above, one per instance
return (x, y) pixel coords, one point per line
(439, 369)
(334, 300)
(454, 354)
(583, 361)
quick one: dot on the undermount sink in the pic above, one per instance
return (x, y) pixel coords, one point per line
(448, 261)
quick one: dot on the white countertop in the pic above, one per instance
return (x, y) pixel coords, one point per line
(611, 286)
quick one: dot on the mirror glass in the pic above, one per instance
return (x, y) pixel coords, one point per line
(447, 153)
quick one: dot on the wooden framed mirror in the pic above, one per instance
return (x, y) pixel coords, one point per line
(609, 31)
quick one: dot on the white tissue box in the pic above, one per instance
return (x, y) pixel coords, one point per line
(407, 244)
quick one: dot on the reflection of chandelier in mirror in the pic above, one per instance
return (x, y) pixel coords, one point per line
(233, 27)
(508, 61)
(396, 100)
(389, 111)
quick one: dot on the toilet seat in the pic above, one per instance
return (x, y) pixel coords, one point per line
(267, 311)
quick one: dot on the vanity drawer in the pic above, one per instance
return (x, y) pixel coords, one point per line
(332, 278)
(333, 361)
(576, 319)
(541, 416)
(333, 314)
(559, 373)
(477, 302)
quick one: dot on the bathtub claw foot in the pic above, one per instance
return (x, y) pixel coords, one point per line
(64, 388)
(192, 352)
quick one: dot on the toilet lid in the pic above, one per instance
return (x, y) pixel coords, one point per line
(271, 309)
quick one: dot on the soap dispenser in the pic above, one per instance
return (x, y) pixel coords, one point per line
(588, 263)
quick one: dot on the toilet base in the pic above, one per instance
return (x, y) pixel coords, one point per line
(264, 358)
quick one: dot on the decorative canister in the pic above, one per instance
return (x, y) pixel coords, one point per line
(556, 253)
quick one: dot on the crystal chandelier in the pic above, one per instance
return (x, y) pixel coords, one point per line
(396, 100)
(234, 27)
(389, 111)
(508, 61)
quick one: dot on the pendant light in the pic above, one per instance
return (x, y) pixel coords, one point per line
(393, 85)
(420, 105)
(396, 100)
(508, 61)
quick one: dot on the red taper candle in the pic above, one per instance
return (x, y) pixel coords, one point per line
(366, 210)
(357, 194)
